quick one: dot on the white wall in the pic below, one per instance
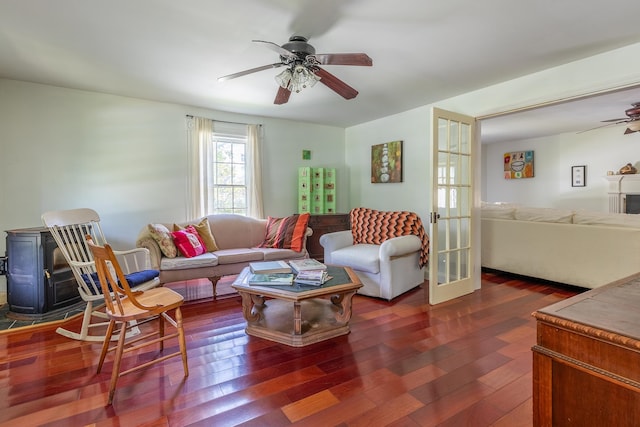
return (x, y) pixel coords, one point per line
(609, 70)
(602, 72)
(412, 127)
(126, 158)
(600, 150)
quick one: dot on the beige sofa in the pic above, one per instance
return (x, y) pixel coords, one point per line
(237, 238)
(586, 249)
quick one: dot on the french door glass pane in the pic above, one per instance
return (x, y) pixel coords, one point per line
(443, 140)
(453, 200)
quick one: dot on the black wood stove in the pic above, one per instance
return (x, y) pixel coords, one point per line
(39, 279)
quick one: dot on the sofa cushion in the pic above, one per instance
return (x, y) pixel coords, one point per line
(271, 254)
(188, 242)
(207, 259)
(237, 231)
(609, 219)
(361, 257)
(204, 231)
(162, 235)
(134, 279)
(233, 256)
(286, 233)
(499, 211)
(544, 215)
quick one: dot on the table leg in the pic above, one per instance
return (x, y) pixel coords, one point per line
(297, 318)
(343, 305)
(258, 300)
(248, 302)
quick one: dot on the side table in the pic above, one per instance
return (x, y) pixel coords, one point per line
(323, 224)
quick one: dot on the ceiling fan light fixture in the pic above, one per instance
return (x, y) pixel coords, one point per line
(284, 78)
(634, 125)
(296, 78)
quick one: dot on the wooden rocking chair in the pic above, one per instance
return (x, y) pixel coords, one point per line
(69, 228)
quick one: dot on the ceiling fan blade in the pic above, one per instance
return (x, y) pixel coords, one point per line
(616, 120)
(277, 48)
(252, 70)
(361, 59)
(601, 126)
(282, 97)
(335, 84)
(628, 131)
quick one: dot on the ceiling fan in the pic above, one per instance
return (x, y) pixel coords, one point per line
(303, 68)
(633, 120)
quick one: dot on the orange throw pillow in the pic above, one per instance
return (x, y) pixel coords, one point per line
(286, 233)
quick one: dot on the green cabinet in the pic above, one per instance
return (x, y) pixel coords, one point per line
(316, 190)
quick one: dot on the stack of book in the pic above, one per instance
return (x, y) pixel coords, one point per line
(270, 273)
(309, 271)
(312, 277)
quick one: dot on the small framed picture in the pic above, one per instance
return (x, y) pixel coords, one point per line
(578, 176)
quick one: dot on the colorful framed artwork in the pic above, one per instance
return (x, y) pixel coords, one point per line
(518, 164)
(578, 176)
(386, 162)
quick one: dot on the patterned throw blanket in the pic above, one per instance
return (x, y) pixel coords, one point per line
(374, 227)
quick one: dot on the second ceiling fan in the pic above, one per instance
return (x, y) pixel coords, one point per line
(632, 120)
(303, 68)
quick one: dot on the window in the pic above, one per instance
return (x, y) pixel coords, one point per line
(225, 172)
(229, 189)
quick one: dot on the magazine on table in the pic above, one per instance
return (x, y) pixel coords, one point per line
(306, 264)
(268, 267)
(272, 279)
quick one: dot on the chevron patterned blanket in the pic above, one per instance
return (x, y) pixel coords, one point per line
(374, 227)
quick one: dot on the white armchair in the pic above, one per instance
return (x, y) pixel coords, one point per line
(386, 270)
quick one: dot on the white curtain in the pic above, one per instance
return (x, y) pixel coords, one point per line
(255, 206)
(200, 174)
(200, 170)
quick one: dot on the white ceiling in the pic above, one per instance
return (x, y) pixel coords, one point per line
(577, 116)
(422, 50)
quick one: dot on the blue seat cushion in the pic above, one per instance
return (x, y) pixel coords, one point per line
(134, 279)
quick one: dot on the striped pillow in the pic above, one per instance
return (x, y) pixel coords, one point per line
(286, 233)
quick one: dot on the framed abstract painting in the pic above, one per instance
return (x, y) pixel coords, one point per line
(518, 164)
(386, 162)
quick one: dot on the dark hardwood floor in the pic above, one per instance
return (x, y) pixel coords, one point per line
(405, 363)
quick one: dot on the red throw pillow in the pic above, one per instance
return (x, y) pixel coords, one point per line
(286, 233)
(189, 242)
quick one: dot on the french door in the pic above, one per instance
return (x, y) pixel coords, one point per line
(451, 262)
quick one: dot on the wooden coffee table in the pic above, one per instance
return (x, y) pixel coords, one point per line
(299, 315)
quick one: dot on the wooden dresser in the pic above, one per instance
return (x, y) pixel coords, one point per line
(322, 224)
(586, 363)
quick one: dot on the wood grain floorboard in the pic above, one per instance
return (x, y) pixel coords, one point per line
(405, 363)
